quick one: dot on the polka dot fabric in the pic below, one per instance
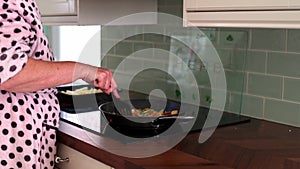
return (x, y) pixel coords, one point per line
(28, 121)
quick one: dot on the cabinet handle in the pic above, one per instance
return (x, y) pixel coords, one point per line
(59, 160)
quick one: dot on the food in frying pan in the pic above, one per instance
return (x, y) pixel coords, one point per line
(82, 91)
(147, 112)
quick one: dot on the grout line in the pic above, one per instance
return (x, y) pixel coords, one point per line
(270, 51)
(271, 98)
(294, 78)
(286, 40)
(247, 82)
(273, 75)
(250, 39)
(265, 74)
(266, 62)
(165, 43)
(218, 36)
(282, 90)
(264, 108)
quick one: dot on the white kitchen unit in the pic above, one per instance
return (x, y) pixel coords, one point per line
(58, 11)
(76, 160)
(242, 13)
(95, 12)
(58, 7)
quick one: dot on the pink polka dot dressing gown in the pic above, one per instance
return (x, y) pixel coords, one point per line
(28, 121)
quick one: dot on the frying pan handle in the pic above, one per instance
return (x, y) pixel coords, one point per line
(181, 118)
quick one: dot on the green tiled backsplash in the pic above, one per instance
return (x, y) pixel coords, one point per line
(262, 66)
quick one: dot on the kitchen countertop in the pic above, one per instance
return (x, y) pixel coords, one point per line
(95, 145)
(252, 145)
(257, 144)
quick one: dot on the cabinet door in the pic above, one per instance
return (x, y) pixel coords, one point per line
(57, 7)
(242, 13)
(205, 5)
(77, 160)
(294, 3)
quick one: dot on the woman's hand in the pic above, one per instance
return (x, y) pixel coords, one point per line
(103, 79)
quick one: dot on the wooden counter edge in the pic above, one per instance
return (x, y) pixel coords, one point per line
(77, 139)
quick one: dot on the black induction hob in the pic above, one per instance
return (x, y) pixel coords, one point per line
(105, 130)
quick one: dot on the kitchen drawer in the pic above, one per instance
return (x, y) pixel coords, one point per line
(77, 160)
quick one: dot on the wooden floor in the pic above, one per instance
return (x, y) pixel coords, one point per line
(254, 145)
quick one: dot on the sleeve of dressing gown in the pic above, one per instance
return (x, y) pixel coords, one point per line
(16, 41)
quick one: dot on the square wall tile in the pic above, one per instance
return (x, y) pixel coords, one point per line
(111, 62)
(133, 66)
(108, 46)
(291, 89)
(158, 54)
(233, 59)
(234, 102)
(233, 38)
(136, 37)
(283, 112)
(163, 46)
(141, 45)
(211, 34)
(293, 40)
(235, 81)
(154, 33)
(120, 32)
(170, 2)
(172, 91)
(256, 61)
(172, 10)
(142, 85)
(252, 106)
(150, 37)
(268, 39)
(153, 74)
(264, 85)
(285, 64)
(238, 60)
(225, 57)
(202, 78)
(161, 55)
(205, 95)
(124, 48)
(163, 74)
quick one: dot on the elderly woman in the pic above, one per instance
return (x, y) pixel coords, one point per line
(29, 109)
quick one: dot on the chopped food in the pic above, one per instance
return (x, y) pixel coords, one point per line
(81, 91)
(147, 112)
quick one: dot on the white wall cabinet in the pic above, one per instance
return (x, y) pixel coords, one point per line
(58, 11)
(242, 13)
(77, 160)
(95, 12)
(57, 7)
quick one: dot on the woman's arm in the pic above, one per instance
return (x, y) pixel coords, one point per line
(38, 74)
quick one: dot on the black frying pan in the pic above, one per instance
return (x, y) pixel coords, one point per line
(118, 116)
